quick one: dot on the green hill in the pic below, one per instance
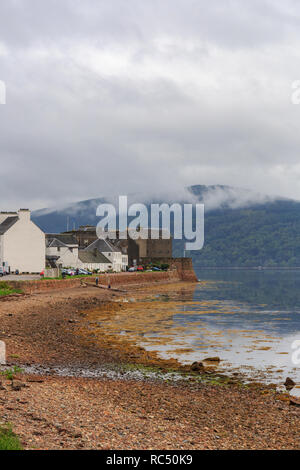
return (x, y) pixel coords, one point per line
(263, 235)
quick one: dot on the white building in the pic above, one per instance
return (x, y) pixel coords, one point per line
(118, 260)
(61, 250)
(93, 260)
(22, 243)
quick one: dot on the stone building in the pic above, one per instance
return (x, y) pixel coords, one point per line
(145, 246)
(85, 235)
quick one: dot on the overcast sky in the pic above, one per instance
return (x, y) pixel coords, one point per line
(122, 96)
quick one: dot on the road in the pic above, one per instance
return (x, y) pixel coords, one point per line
(21, 277)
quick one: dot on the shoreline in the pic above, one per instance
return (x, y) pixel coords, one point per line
(43, 329)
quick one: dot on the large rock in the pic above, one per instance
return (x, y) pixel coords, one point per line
(294, 402)
(289, 383)
(197, 366)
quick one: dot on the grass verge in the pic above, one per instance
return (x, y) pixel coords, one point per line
(6, 289)
(8, 439)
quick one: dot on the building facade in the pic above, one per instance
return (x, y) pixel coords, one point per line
(93, 261)
(22, 242)
(85, 235)
(118, 260)
(134, 249)
(144, 246)
(61, 250)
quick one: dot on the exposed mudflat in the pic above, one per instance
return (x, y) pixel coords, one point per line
(83, 390)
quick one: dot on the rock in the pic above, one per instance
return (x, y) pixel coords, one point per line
(212, 359)
(35, 380)
(294, 402)
(2, 386)
(289, 383)
(197, 366)
(17, 385)
(232, 382)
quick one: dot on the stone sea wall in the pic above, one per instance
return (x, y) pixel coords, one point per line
(181, 269)
(184, 267)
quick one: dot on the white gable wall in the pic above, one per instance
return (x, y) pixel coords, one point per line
(68, 255)
(23, 246)
(115, 257)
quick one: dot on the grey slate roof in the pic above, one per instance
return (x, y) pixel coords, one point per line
(7, 223)
(92, 257)
(104, 246)
(65, 238)
(53, 242)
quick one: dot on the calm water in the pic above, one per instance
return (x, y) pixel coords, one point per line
(250, 319)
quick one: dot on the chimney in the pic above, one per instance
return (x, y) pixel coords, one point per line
(24, 214)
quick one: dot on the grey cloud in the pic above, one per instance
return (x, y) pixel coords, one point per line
(119, 97)
(230, 23)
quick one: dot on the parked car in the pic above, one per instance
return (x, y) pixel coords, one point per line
(140, 268)
(68, 272)
(156, 269)
(132, 269)
(4, 269)
(84, 272)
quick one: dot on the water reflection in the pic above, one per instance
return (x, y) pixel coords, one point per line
(249, 318)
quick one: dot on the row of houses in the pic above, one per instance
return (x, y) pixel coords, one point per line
(25, 248)
(144, 247)
(62, 250)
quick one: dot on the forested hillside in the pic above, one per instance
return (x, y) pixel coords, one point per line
(263, 235)
(257, 234)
